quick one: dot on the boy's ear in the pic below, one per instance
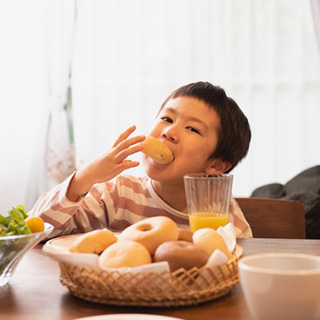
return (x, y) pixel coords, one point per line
(218, 166)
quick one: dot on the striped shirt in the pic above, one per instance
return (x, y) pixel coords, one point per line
(115, 205)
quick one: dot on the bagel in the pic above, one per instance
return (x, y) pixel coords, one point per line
(93, 242)
(156, 150)
(124, 254)
(210, 240)
(181, 254)
(151, 232)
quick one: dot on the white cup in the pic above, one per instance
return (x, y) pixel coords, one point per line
(281, 286)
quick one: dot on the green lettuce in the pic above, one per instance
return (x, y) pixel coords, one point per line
(14, 222)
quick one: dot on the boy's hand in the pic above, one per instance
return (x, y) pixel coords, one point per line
(108, 165)
(115, 161)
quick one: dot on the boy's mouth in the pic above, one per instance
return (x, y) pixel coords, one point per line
(157, 151)
(161, 163)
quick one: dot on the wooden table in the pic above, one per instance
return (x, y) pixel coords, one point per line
(35, 291)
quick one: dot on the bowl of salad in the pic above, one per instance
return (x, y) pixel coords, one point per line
(18, 234)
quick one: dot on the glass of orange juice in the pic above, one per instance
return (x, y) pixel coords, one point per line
(208, 199)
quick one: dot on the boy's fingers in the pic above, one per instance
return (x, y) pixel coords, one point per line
(128, 164)
(128, 143)
(124, 135)
(122, 155)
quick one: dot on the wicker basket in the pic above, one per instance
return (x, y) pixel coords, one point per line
(164, 289)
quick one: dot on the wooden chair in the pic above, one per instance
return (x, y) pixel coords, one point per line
(273, 218)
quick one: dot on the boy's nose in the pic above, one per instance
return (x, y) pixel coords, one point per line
(169, 134)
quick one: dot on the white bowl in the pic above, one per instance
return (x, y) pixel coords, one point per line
(12, 249)
(281, 285)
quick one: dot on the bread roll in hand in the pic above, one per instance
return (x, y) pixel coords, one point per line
(156, 150)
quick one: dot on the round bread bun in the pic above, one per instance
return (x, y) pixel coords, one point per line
(124, 254)
(181, 254)
(210, 240)
(185, 235)
(93, 242)
(156, 150)
(151, 232)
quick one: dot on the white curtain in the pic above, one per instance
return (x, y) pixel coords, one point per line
(130, 54)
(54, 153)
(315, 6)
(21, 83)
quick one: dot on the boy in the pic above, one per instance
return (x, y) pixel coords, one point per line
(205, 130)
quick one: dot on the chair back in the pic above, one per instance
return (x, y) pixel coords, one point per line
(274, 218)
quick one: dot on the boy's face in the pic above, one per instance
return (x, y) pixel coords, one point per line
(189, 128)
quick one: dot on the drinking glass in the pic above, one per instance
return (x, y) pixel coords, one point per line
(208, 199)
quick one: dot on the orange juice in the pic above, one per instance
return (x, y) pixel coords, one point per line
(212, 220)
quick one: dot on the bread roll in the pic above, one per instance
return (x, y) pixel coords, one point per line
(124, 254)
(93, 242)
(156, 150)
(185, 235)
(210, 240)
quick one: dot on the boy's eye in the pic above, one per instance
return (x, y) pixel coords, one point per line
(193, 130)
(166, 119)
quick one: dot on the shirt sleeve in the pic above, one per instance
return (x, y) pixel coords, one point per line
(67, 217)
(241, 225)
